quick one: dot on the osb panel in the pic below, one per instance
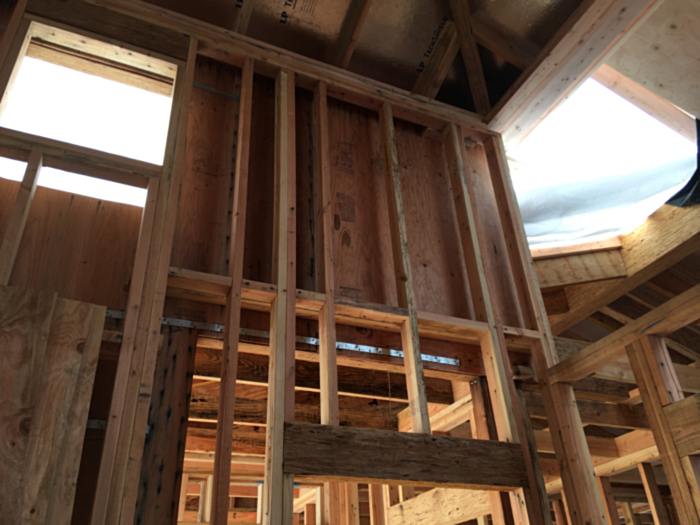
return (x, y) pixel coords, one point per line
(80, 247)
(437, 260)
(361, 237)
(257, 256)
(306, 215)
(204, 217)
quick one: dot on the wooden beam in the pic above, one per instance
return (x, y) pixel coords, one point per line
(322, 452)
(470, 54)
(586, 267)
(596, 413)
(606, 492)
(676, 313)
(597, 446)
(592, 32)
(244, 9)
(420, 419)
(229, 368)
(13, 48)
(204, 407)
(18, 217)
(577, 249)
(85, 161)
(654, 395)
(665, 238)
(584, 498)
(121, 459)
(658, 510)
(233, 48)
(444, 506)
(684, 421)
(433, 74)
(350, 32)
(279, 485)
(648, 101)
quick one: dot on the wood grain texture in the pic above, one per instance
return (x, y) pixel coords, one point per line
(229, 369)
(444, 506)
(574, 269)
(14, 229)
(50, 349)
(164, 450)
(420, 419)
(470, 55)
(676, 313)
(684, 420)
(324, 452)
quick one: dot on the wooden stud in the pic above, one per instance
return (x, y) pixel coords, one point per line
(310, 514)
(560, 517)
(504, 398)
(18, 218)
(606, 492)
(574, 459)
(350, 32)
(229, 368)
(279, 487)
(653, 395)
(420, 419)
(432, 76)
(658, 510)
(630, 517)
(352, 504)
(470, 54)
(376, 505)
(182, 502)
(120, 467)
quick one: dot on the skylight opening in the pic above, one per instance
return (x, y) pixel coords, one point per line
(65, 104)
(596, 168)
(76, 184)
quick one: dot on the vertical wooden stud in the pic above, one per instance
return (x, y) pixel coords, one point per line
(352, 504)
(18, 218)
(608, 500)
(279, 487)
(583, 497)
(325, 282)
(126, 428)
(656, 504)
(229, 366)
(418, 405)
(504, 398)
(654, 394)
(376, 505)
(182, 502)
(310, 514)
(559, 512)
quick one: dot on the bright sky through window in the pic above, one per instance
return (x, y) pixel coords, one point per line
(64, 104)
(596, 167)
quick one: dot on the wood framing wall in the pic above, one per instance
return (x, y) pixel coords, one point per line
(300, 200)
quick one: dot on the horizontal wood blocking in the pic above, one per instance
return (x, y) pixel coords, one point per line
(77, 159)
(672, 315)
(684, 420)
(329, 453)
(210, 288)
(444, 506)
